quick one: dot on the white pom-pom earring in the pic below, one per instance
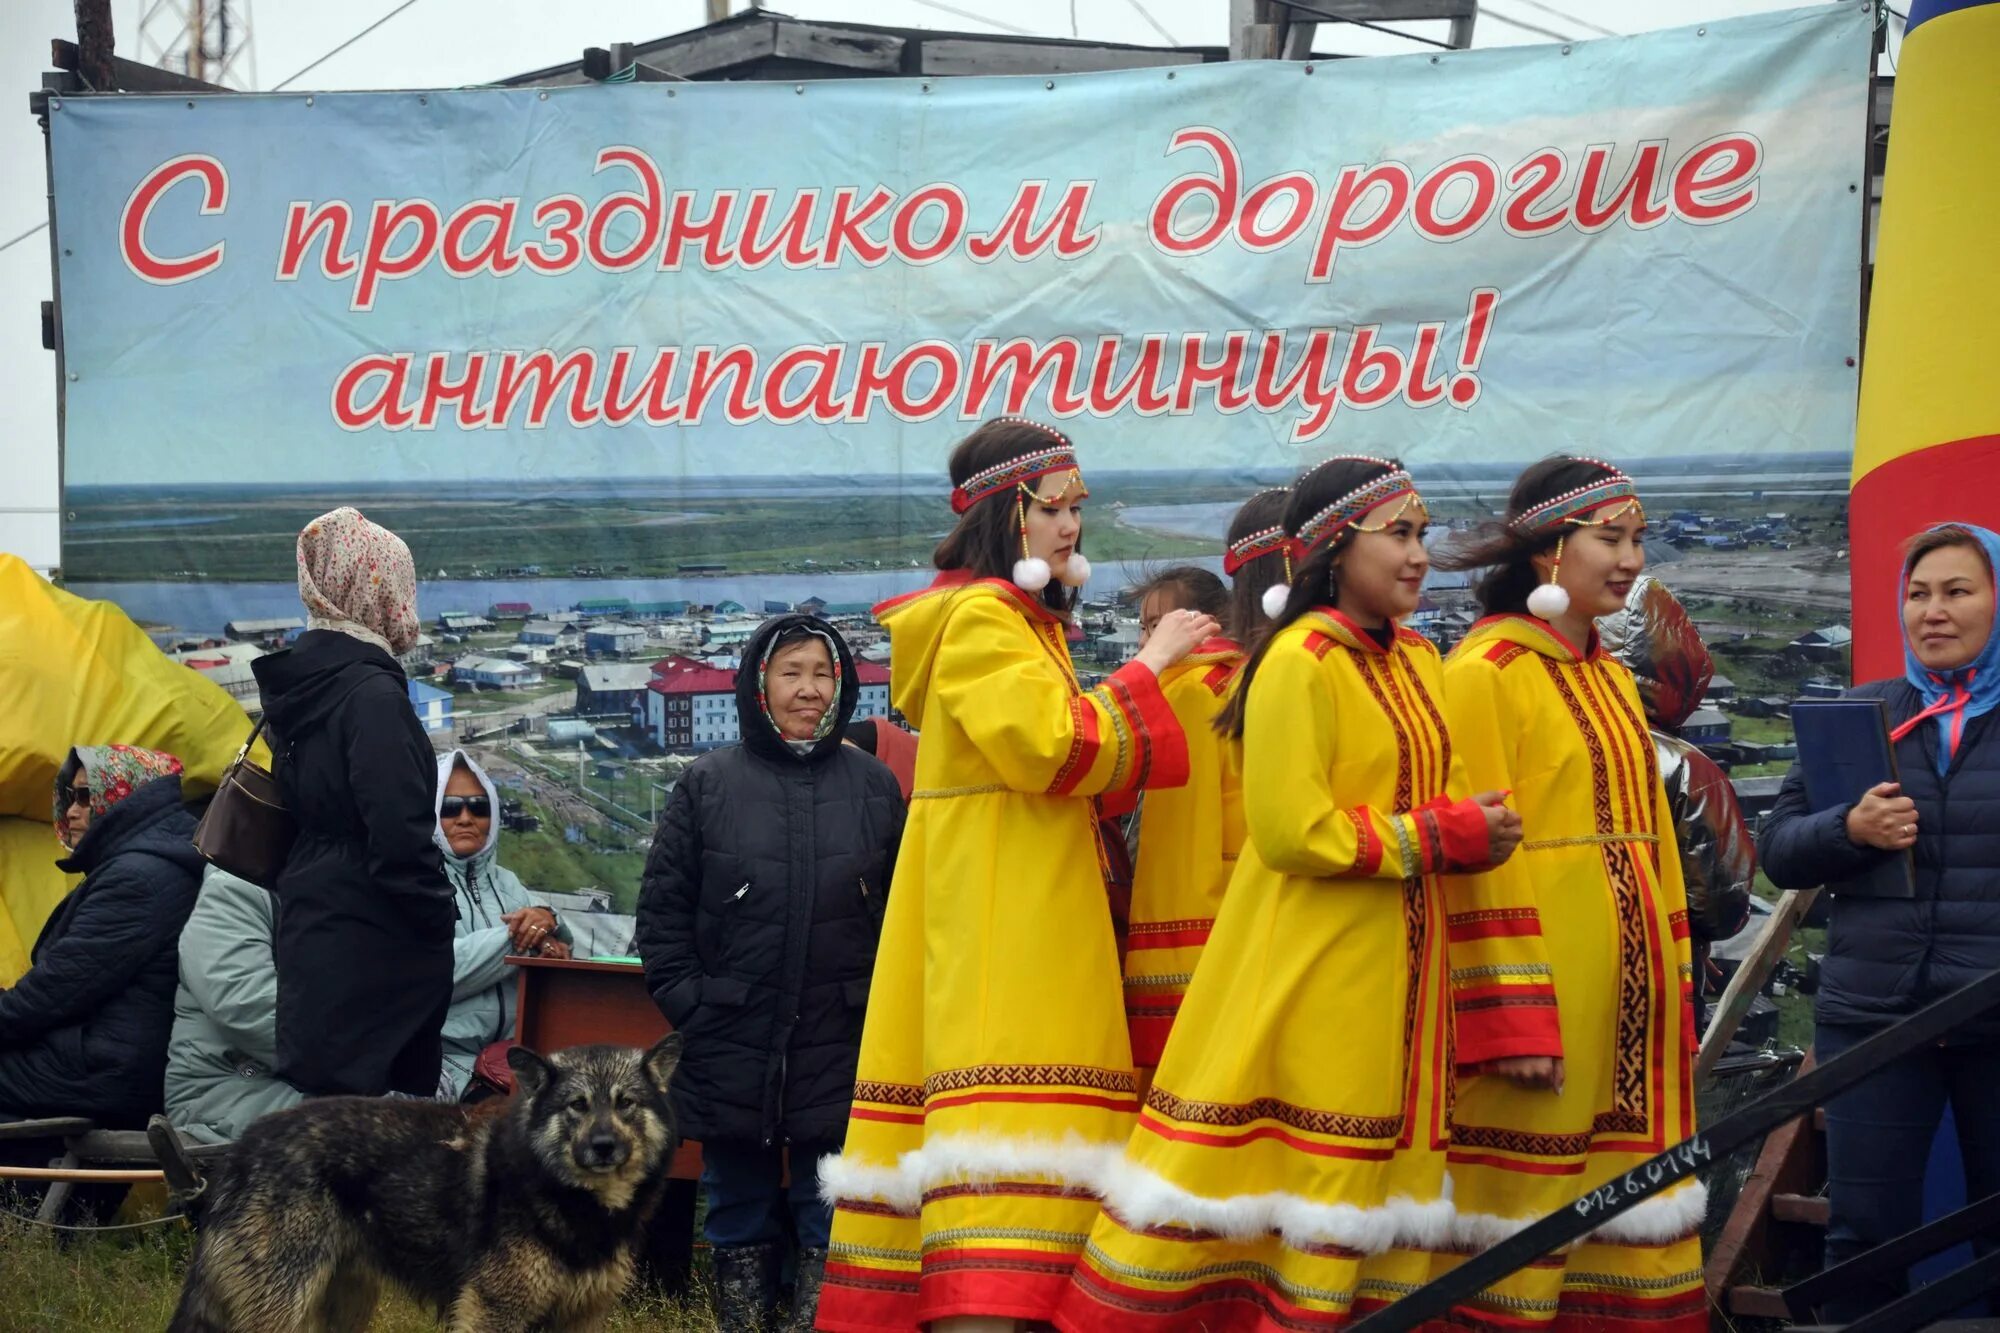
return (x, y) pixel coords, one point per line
(1275, 596)
(1550, 599)
(1075, 571)
(1031, 572)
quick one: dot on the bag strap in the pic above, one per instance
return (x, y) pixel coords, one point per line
(255, 732)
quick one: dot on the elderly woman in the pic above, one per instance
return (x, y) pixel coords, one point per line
(496, 919)
(1887, 957)
(84, 1031)
(758, 919)
(364, 929)
(220, 1074)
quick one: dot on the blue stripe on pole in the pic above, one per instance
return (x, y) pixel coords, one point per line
(1922, 11)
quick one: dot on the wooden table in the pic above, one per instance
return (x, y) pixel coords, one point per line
(567, 1002)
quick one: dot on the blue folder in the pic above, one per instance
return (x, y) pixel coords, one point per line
(1844, 750)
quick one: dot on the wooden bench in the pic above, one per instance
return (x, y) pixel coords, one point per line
(117, 1152)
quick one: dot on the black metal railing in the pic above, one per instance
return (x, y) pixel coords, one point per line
(1682, 1160)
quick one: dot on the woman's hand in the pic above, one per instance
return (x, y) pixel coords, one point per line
(1883, 818)
(528, 927)
(1530, 1071)
(1503, 826)
(1178, 634)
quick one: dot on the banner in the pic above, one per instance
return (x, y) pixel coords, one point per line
(676, 346)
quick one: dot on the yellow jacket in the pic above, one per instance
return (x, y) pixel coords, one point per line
(1188, 841)
(995, 1076)
(1576, 947)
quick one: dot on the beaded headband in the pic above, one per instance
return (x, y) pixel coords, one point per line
(1571, 505)
(1351, 508)
(1018, 471)
(1243, 550)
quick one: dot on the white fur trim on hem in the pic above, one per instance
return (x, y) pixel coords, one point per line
(1140, 1198)
(1663, 1218)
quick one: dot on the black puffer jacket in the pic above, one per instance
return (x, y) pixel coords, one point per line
(1887, 957)
(365, 914)
(759, 915)
(84, 1032)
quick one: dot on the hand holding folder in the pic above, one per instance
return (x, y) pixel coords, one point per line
(1846, 758)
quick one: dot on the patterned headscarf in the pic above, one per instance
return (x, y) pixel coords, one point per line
(830, 717)
(112, 772)
(358, 578)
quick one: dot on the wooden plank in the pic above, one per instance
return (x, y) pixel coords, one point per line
(948, 56)
(1396, 11)
(845, 48)
(55, 1127)
(131, 76)
(1748, 979)
(1784, 1164)
(1758, 1303)
(1811, 1210)
(705, 52)
(78, 1175)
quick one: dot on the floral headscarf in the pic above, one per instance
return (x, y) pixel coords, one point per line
(112, 772)
(358, 578)
(828, 720)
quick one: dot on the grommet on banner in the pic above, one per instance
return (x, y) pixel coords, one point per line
(543, 96)
(1050, 85)
(54, 105)
(1701, 32)
(799, 88)
(190, 106)
(1309, 69)
(309, 100)
(1565, 50)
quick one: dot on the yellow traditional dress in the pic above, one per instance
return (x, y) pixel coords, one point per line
(1288, 1171)
(1577, 947)
(995, 1080)
(1188, 840)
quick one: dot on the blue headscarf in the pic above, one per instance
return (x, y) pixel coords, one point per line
(1954, 698)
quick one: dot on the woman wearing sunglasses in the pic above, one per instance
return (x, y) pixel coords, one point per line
(496, 919)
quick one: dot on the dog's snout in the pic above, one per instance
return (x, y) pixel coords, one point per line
(601, 1147)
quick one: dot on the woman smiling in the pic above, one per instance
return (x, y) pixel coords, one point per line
(1887, 957)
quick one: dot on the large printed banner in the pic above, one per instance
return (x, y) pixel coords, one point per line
(1644, 246)
(660, 355)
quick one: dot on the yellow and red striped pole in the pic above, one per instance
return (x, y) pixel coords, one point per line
(1927, 444)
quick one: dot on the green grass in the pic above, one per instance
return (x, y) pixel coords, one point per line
(130, 1280)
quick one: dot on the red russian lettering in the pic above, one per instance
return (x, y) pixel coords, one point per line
(1634, 197)
(1220, 190)
(354, 408)
(1017, 236)
(561, 248)
(1370, 375)
(303, 224)
(378, 262)
(712, 231)
(794, 234)
(821, 398)
(1355, 184)
(1704, 196)
(495, 253)
(844, 229)
(950, 201)
(705, 375)
(1542, 171)
(1223, 374)
(1480, 175)
(132, 246)
(540, 376)
(1299, 188)
(462, 393)
(644, 204)
(652, 397)
(1024, 367)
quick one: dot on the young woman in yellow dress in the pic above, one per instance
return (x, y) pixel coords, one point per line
(1189, 837)
(995, 1077)
(1288, 1169)
(1570, 964)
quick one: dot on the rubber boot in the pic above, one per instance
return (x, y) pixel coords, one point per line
(746, 1287)
(809, 1270)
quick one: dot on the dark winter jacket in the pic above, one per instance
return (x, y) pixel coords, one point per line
(84, 1031)
(365, 914)
(1887, 957)
(759, 915)
(358, 773)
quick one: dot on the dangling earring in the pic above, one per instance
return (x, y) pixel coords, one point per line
(1550, 599)
(1031, 573)
(1278, 594)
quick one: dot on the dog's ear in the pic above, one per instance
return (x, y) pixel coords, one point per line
(531, 1071)
(660, 1061)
